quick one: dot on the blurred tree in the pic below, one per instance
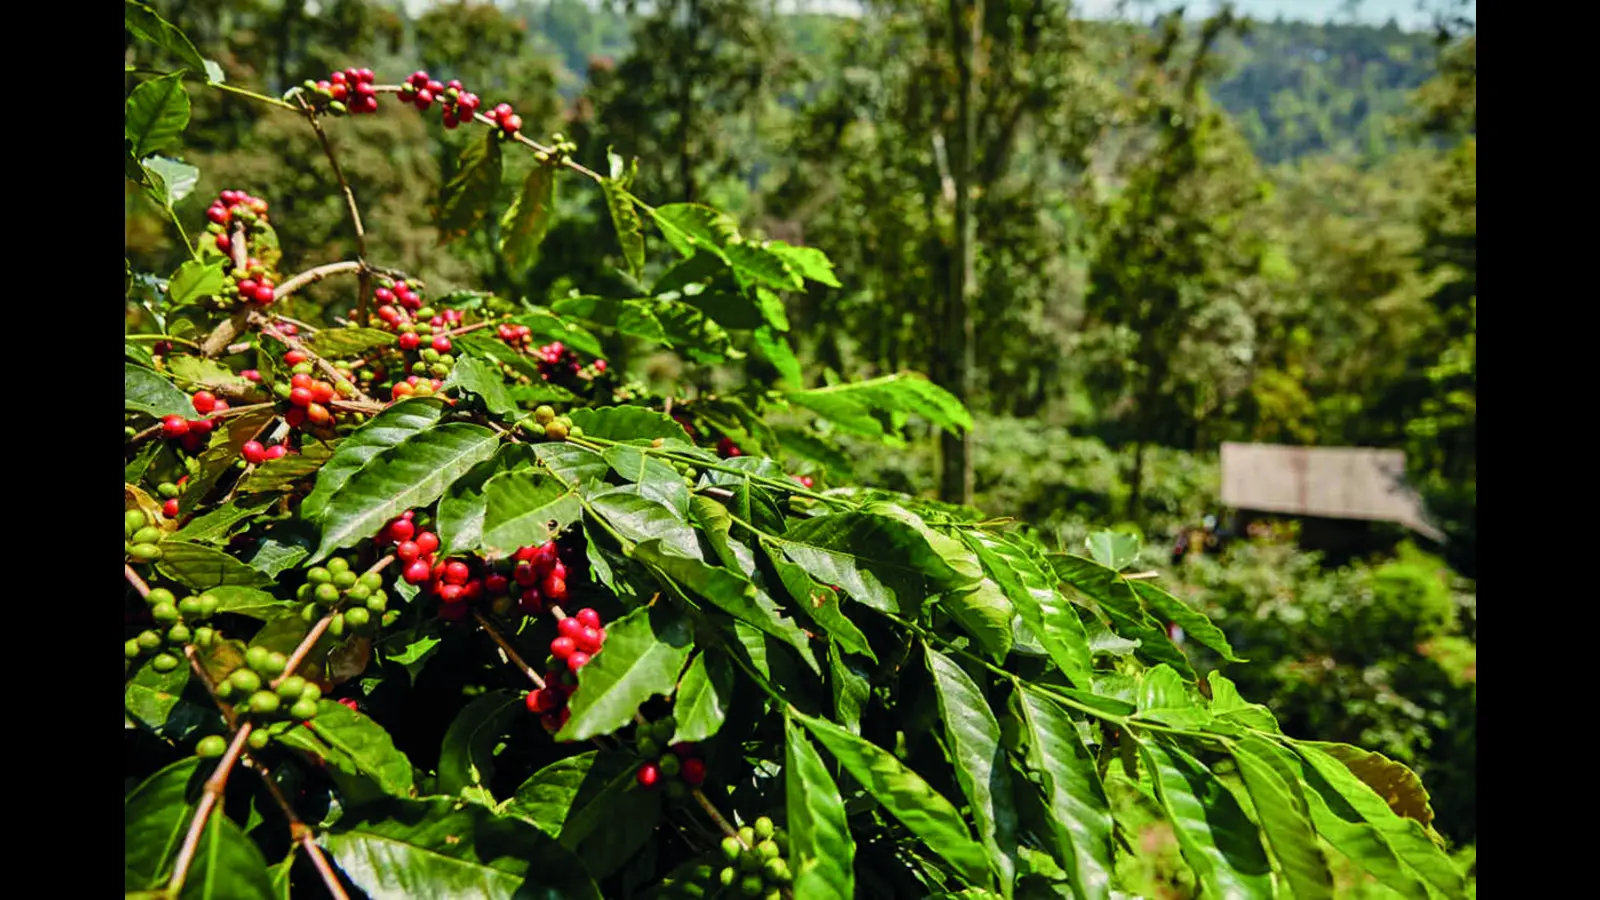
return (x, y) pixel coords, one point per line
(1176, 275)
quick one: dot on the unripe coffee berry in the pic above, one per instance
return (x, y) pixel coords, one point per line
(763, 828)
(345, 580)
(148, 641)
(131, 649)
(179, 634)
(245, 681)
(259, 739)
(164, 613)
(327, 594)
(290, 688)
(670, 765)
(164, 662)
(358, 617)
(158, 596)
(264, 703)
(303, 709)
(211, 746)
(191, 608)
(731, 849)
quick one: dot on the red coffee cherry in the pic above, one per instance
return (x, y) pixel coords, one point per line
(554, 588)
(174, 426)
(417, 571)
(588, 617)
(301, 396)
(294, 357)
(649, 774)
(577, 660)
(407, 551)
(693, 772)
(427, 542)
(543, 700)
(204, 402)
(588, 639)
(456, 572)
(570, 627)
(410, 340)
(495, 583)
(441, 343)
(563, 648)
(253, 452)
(277, 451)
(170, 508)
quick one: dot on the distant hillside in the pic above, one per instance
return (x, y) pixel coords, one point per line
(1297, 88)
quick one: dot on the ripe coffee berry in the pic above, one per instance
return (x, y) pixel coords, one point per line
(648, 775)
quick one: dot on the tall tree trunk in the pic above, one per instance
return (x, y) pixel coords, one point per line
(686, 81)
(957, 350)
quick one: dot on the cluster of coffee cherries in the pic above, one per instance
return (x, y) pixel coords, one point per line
(401, 292)
(558, 363)
(193, 434)
(457, 104)
(351, 91)
(756, 860)
(235, 206)
(507, 119)
(143, 538)
(252, 692)
(544, 423)
(727, 449)
(253, 285)
(255, 453)
(413, 547)
(353, 598)
(176, 623)
(676, 768)
(308, 397)
(579, 639)
(518, 336)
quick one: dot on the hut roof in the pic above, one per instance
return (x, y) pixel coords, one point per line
(1330, 482)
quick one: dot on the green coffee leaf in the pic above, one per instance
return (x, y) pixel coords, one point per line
(156, 114)
(528, 219)
(644, 652)
(821, 847)
(468, 194)
(982, 769)
(703, 697)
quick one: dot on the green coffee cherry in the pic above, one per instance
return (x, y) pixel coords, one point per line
(179, 634)
(131, 649)
(303, 709)
(256, 658)
(290, 688)
(204, 637)
(158, 596)
(149, 641)
(327, 594)
(731, 849)
(378, 601)
(670, 765)
(275, 664)
(259, 739)
(776, 869)
(211, 746)
(189, 607)
(165, 614)
(133, 520)
(336, 625)
(358, 593)
(728, 876)
(148, 535)
(167, 490)
(318, 575)
(264, 702)
(648, 748)
(245, 681)
(357, 617)
(763, 827)
(164, 662)
(751, 885)
(224, 689)
(372, 581)
(311, 692)
(208, 606)
(310, 613)
(747, 836)
(145, 552)
(345, 580)
(338, 564)
(556, 431)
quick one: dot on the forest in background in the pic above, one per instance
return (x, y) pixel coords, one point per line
(1181, 233)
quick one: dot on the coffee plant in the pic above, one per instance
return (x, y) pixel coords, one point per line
(480, 618)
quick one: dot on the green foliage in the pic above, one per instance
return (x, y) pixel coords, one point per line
(931, 702)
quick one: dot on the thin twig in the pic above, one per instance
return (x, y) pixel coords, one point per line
(311, 276)
(215, 785)
(304, 648)
(134, 579)
(364, 286)
(505, 647)
(299, 831)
